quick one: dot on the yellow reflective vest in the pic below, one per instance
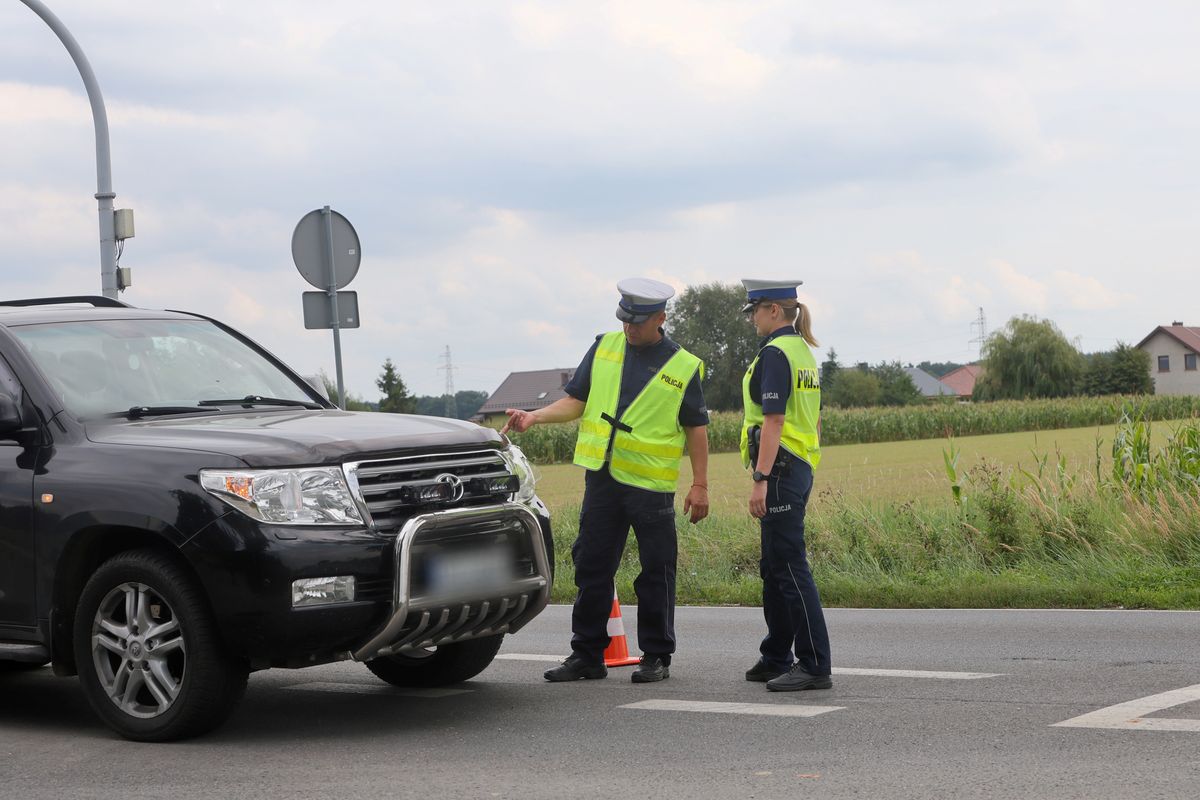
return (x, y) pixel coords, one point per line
(800, 437)
(647, 441)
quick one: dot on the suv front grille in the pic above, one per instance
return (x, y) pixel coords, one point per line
(392, 490)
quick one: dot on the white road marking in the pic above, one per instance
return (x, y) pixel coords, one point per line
(883, 673)
(385, 691)
(529, 657)
(917, 673)
(1131, 716)
(762, 709)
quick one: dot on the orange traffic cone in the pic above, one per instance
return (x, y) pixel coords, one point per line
(617, 653)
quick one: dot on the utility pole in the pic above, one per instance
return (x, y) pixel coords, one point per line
(979, 325)
(111, 280)
(451, 409)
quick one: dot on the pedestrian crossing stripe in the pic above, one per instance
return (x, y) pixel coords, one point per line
(1134, 715)
(377, 690)
(759, 709)
(880, 673)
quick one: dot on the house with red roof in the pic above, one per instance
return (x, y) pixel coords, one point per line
(962, 380)
(1173, 350)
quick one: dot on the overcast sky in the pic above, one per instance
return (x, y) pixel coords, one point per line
(506, 163)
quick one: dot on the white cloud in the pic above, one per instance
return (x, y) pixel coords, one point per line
(1025, 291)
(1086, 293)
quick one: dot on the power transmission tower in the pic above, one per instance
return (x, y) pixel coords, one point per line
(451, 408)
(980, 337)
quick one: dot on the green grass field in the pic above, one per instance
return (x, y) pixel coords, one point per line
(884, 530)
(886, 472)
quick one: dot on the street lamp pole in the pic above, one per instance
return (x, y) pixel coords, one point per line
(104, 192)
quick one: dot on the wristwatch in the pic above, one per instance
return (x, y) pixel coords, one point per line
(759, 476)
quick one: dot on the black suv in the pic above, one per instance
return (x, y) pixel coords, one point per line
(178, 508)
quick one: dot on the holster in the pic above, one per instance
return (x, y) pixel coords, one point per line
(783, 459)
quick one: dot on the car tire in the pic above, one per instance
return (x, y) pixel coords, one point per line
(150, 659)
(442, 666)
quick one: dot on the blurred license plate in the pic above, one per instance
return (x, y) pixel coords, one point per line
(469, 571)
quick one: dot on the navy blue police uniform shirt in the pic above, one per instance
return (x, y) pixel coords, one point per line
(641, 364)
(771, 380)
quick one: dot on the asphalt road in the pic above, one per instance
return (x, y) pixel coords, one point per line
(898, 723)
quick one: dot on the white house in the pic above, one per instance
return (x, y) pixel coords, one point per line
(1174, 350)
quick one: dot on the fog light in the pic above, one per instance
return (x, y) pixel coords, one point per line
(505, 485)
(322, 591)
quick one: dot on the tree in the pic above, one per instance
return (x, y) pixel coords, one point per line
(896, 387)
(1029, 357)
(396, 399)
(939, 368)
(353, 402)
(829, 372)
(854, 388)
(708, 322)
(469, 402)
(1125, 370)
(466, 403)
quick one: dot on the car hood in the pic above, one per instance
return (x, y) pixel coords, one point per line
(299, 437)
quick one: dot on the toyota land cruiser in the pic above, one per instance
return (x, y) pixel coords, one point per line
(179, 508)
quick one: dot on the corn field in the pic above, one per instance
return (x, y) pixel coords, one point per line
(549, 444)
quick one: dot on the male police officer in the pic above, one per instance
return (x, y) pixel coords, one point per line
(640, 400)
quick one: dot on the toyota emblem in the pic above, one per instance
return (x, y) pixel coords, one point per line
(456, 486)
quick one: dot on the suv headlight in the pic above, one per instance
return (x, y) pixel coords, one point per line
(524, 472)
(314, 496)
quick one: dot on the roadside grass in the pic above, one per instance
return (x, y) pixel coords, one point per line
(1031, 529)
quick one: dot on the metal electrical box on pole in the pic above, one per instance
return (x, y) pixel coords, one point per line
(327, 253)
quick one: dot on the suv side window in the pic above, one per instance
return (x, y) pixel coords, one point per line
(9, 383)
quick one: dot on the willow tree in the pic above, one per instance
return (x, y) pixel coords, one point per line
(1029, 357)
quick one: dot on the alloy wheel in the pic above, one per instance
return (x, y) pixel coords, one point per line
(138, 650)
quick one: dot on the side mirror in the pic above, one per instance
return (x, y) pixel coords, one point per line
(10, 415)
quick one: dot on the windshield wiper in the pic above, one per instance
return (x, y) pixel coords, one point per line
(257, 400)
(137, 412)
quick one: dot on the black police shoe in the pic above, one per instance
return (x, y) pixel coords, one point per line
(576, 668)
(651, 669)
(797, 679)
(762, 672)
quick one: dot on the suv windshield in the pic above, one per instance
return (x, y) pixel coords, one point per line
(109, 366)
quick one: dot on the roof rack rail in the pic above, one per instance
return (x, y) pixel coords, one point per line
(95, 300)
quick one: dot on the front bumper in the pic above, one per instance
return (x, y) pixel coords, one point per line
(421, 618)
(247, 568)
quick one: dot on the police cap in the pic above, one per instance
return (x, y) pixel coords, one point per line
(642, 298)
(758, 289)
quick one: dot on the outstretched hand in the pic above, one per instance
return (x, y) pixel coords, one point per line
(518, 420)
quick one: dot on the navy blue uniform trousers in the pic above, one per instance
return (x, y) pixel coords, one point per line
(791, 605)
(609, 509)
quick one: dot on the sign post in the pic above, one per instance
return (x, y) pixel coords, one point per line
(327, 253)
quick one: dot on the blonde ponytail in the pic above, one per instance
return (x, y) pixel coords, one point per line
(798, 314)
(804, 325)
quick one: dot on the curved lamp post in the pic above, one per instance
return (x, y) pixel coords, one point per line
(104, 192)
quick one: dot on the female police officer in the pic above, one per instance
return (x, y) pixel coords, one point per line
(780, 442)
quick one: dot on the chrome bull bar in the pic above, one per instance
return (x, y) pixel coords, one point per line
(443, 621)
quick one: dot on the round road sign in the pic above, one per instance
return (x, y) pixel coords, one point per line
(310, 251)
